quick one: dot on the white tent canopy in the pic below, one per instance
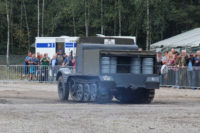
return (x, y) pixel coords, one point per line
(187, 39)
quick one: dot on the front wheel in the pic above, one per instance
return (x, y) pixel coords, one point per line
(139, 96)
(63, 89)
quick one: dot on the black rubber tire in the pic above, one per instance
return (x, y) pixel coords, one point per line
(139, 96)
(93, 91)
(63, 89)
(87, 93)
(80, 93)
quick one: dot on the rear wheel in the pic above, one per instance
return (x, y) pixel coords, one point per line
(87, 93)
(139, 96)
(93, 92)
(63, 89)
(82, 90)
(76, 90)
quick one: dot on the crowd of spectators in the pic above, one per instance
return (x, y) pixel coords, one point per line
(181, 69)
(37, 67)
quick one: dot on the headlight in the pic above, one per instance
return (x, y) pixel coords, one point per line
(153, 79)
(106, 78)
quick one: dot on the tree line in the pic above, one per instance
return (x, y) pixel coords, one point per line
(22, 20)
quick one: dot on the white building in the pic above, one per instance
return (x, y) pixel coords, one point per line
(50, 44)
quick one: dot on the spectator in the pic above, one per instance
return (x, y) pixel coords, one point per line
(45, 61)
(177, 72)
(60, 50)
(173, 51)
(165, 57)
(68, 60)
(65, 62)
(33, 61)
(159, 59)
(26, 68)
(74, 64)
(196, 74)
(189, 63)
(64, 56)
(53, 66)
(41, 56)
(170, 59)
(180, 62)
(59, 59)
(183, 56)
(182, 70)
(170, 62)
(70, 57)
(159, 62)
(163, 68)
(38, 55)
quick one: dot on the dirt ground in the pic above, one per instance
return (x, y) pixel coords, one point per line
(35, 108)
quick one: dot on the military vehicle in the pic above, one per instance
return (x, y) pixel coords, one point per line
(104, 71)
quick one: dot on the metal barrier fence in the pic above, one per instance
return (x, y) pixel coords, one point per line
(34, 73)
(181, 77)
(176, 77)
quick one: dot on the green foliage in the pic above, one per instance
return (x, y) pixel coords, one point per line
(67, 17)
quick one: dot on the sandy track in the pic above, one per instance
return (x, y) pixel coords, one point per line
(35, 108)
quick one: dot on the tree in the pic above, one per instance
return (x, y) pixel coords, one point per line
(86, 18)
(38, 31)
(8, 33)
(101, 16)
(27, 26)
(43, 3)
(148, 28)
(120, 17)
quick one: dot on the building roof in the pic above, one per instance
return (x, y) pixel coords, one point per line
(187, 39)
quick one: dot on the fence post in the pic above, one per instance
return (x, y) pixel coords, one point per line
(8, 72)
(21, 71)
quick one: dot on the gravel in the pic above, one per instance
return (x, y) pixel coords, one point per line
(35, 108)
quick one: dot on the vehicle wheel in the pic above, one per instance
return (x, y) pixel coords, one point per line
(93, 92)
(139, 96)
(143, 96)
(63, 89)
(76, 90)
(79, 93)
(86, 95)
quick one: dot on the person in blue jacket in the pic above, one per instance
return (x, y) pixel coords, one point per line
(26, 68)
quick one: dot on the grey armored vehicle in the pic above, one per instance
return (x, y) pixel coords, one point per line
(104, 71)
